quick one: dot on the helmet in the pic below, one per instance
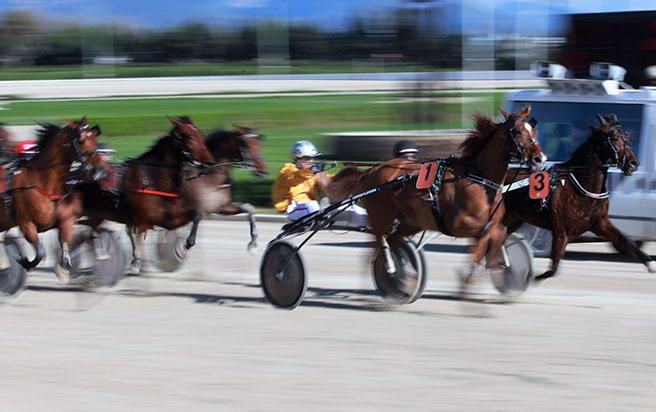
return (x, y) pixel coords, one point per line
(105, 150)
(27, 148)
(405, 147)
(304, 148)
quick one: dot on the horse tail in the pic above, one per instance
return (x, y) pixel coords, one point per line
(343, 184)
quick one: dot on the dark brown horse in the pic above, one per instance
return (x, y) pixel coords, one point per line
(468, 200)
(210, 191)
(150, 192)
(37, 190)
(578, 201)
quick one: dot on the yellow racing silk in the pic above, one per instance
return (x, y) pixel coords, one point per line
(293, 183)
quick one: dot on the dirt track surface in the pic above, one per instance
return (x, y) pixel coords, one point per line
(205, 339)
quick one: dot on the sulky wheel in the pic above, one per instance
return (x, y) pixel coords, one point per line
(282, 275)
(12, 279)
(98, 260)
(408, 282)
(519, 271)
(167, 241)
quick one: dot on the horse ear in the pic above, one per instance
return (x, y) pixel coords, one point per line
(526, 111)
(602, 120)
(173, 120)
(504, 113)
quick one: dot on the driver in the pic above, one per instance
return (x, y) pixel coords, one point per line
(406, 149)
(295, 189)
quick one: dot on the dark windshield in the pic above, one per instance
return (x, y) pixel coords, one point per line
(562, 127)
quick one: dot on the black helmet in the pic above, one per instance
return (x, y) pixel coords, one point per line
(405, 147)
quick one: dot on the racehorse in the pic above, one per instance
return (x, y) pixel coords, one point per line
(467, 201)
(36, 196)
(578, 201)
(150, 192)
(210, 191)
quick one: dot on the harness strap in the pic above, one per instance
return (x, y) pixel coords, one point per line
(49, 195)
(577, 185)
(515, 185)
(483, 181)
(157, 193)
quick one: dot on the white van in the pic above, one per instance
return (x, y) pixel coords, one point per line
(564, 111)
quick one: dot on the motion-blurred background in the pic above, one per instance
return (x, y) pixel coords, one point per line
(299, 69)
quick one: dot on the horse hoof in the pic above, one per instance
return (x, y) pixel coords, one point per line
(651, 266)
(25, 263)
(180, 252)
(135, 267)
(63, 274)
(251, 247)
(545, 275)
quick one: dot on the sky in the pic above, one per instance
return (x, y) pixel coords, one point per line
(509, 14)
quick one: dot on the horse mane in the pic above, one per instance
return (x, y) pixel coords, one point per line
(217, 136)
(483, 130)
(580, 155)
(46, 133)
(158, 149)
(215, 140)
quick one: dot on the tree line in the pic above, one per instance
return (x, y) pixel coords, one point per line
(26, 38)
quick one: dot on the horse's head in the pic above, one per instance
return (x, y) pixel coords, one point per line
(613, 146)
(189, 138)
(240, 145)
(250, 148)
(522, 137)
(82, 143)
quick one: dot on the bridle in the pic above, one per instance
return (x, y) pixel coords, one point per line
(179, 143)
(610, 135)
(249, 161)
(519, 151)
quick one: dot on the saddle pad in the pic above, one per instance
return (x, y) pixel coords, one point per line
(538, 187)
(427, 175)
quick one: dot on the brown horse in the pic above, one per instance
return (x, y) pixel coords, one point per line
(468, 199)
(211, 191)
(37, 192)
(150, 192)
(579, 200)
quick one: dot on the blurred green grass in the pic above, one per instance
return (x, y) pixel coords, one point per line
(202, 69)
(131, 125)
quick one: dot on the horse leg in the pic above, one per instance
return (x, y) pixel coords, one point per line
(135, 240)
(4, 259)
(477, 253)
(181, 250)
(66, 238)
(558, 245)
(511, 223)
(390, 267)
(32, 236)
(235, 208)
(607, 230)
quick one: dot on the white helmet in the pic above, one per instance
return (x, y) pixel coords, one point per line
(304, 148)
